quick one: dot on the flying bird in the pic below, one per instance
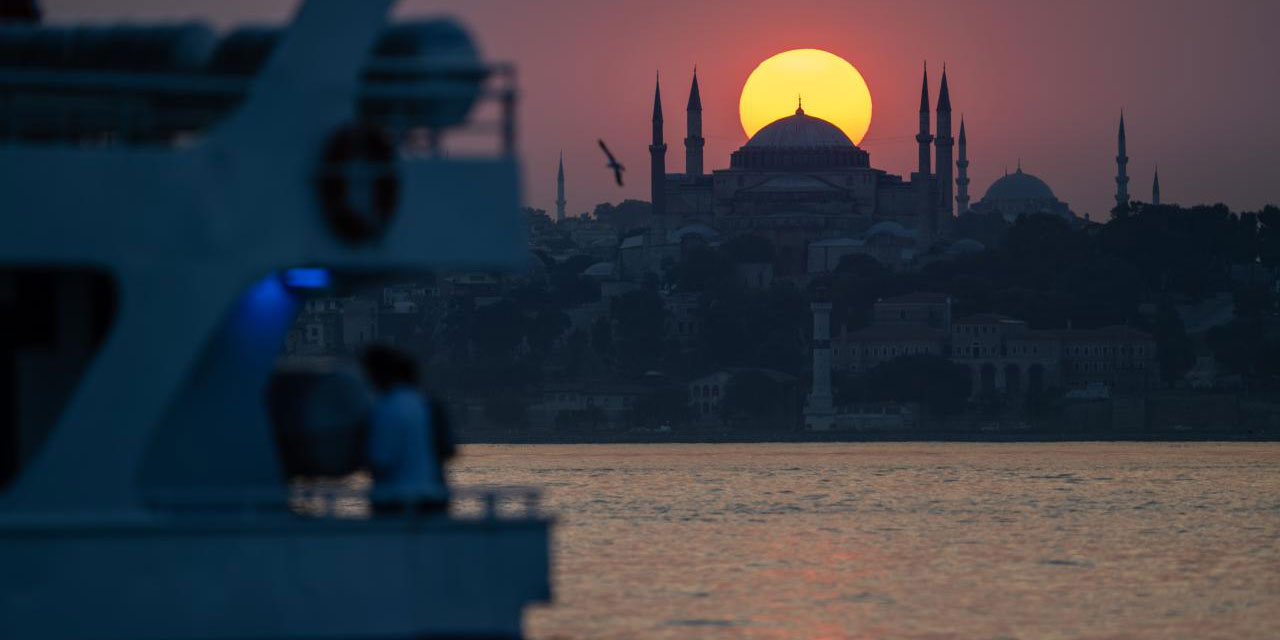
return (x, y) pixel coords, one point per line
(613, 163)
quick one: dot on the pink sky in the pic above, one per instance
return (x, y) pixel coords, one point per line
(1037, 81)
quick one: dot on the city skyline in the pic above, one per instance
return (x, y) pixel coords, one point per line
(1200, 112)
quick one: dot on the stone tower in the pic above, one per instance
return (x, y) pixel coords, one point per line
(1122, 172)
(819, 412)
(962, 177)
(657, 158)
(923, 138)
(560, 191)
(693, 142)
(1155, 187)
(943, 144)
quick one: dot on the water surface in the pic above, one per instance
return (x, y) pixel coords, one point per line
(911, 541)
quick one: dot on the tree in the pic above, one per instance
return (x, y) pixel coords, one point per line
(602, 337)
(748, 249)
(506, 411)
(755, 399)
(988, 228)
(704, 269)
(756, 328)
(1173, 348)
(1269, 236)
(639, 321)
(544, 326)
(935, 382)
(568, 286)
(591, 416)
(626, 215)
(860, 265)
(496, 330)
(665, 405)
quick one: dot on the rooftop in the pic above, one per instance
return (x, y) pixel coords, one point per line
(919, 297)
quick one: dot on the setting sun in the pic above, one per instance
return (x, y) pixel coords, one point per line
(831, 88)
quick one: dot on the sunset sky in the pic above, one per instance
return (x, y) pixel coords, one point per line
(1040, 82)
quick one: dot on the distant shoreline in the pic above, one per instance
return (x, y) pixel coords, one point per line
(838, 437)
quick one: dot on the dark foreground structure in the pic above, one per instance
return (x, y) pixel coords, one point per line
(170, 199)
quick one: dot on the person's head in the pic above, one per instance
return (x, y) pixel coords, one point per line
(388, 367)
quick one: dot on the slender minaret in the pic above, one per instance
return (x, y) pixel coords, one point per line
(1122, 174)
(962, 179)
(819, 411)
(943, 145)
(560, 191)
(657, 160)
(923, 138)
(1155, 187)
(693, 142)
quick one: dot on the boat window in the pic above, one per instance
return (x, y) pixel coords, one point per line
(52, 322)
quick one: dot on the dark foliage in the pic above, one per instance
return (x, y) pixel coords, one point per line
(934, 382)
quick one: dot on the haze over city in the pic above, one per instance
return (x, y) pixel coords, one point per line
(1037, 82)
(658, 319)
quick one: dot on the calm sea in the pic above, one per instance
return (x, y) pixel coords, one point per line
(919, 541)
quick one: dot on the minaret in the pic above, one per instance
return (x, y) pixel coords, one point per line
(1155, 188)
(693, 142)
(657, 160)
(819, 412)
(943, 145)
(560, 191)
(923, 138)
(1122, 175)
(962, 180)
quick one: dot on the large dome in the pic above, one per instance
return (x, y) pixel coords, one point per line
(799, 131)
(1019, 186)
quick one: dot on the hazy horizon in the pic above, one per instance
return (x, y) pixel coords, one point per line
(1037, 83)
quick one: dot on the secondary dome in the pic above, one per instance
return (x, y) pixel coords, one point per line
(1020, 193)
(800, 131)
(1019, 186)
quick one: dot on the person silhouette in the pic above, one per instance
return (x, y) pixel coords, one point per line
(407, 468)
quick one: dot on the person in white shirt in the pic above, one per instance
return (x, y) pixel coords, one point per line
(407, 473)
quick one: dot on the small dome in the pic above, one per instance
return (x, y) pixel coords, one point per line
(706, 233)
(599, 270)
(888, 227)
(1019, 186)
(800, 131)
(966, 245)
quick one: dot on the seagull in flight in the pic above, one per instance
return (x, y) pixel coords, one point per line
(613, 163)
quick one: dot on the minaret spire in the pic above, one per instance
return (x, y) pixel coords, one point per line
(943, 146)
(657, 163)
(1155, 187)
(962, 180)
(560, 190)
(923, 138)
(694, 142)
(1122, 174)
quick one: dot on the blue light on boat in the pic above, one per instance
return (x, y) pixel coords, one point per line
(306, 278)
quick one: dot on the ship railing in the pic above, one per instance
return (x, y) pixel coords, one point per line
(110, 107)
(353, 500)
